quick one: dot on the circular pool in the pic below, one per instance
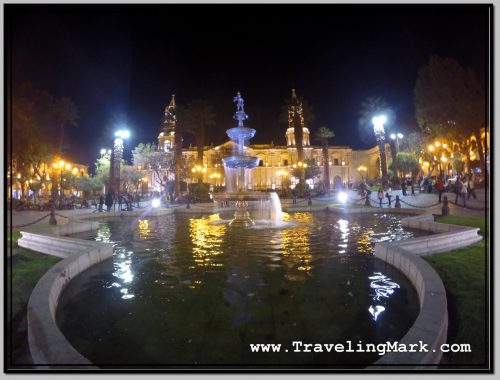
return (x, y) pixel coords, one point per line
(184, 290)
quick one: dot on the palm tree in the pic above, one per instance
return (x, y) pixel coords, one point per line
(181, 114)
(66, 114)
(199, 116)
(370, 108)
(324, 134)
(297, 113)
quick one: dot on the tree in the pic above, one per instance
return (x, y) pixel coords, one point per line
(179, 161)
(148, 157)
(65, 114)
(87, 185)
(198, 116)
(312, 170)
(324, 134)
(35, 119)
(371, 107)
(413, 143)
(297, 113)
(450, 102)
(102, 166)
(130, 177)
(408, 163)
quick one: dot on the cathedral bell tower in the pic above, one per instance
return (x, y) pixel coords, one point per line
(167, 134)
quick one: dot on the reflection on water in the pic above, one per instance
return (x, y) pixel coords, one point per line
(123, 271)
(295, 244)
(143, 227)
(384, 288)
(103, 233)
(382, 285)
(190, 289)
(207, 238)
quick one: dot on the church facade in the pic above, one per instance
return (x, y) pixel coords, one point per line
(275, 169)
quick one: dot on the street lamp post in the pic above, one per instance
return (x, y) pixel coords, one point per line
(378, 129)
(116, 157)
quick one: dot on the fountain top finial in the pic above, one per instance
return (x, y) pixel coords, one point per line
(239, 102)
(240, 114)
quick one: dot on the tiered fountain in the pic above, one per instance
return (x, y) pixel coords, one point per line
(270, 206)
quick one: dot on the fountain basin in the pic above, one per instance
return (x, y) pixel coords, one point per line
(189, 290)
(240, 132)
(246, 162)
(242, 195)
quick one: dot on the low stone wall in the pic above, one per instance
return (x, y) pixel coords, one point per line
(48, 346)
(375, 210)
(431, 325)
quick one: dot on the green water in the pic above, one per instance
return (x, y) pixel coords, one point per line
(184, 290)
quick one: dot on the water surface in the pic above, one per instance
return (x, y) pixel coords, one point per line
(184, 290)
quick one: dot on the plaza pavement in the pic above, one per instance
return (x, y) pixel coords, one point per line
(475, 207)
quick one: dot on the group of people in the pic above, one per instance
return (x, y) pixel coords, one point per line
(388, 195)
(407, 184)
(111, 199)
(464, 188)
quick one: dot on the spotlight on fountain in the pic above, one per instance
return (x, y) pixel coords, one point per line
(342, 197)
(155, 203)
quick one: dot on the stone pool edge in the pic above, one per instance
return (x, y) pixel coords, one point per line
(48, 346)
(431, 325)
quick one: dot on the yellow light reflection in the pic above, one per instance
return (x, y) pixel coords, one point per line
(364, 243)
(207, 238)
(144, 228)
(343, 226)
(295, 244)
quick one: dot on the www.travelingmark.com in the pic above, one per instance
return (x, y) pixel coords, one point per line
(349, 346)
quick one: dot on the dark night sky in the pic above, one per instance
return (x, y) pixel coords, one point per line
(122, 63)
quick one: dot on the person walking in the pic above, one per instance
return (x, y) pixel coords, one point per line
(101, 203)
(412, 188)
(464, 190)
(388, 194)
(403, 188)
(458, 190)
(109, 201)
(470, 187)
(440, 188)
(380, 196)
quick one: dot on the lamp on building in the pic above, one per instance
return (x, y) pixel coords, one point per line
(362, 172)
(282, 173)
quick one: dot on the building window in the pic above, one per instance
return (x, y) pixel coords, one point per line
(166, 145)
(261, 162)
(336, 161)
(285, 162)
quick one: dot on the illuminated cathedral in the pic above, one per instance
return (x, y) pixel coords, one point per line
(275, 170)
